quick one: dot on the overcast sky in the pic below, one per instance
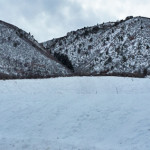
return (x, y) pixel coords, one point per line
(47, 19)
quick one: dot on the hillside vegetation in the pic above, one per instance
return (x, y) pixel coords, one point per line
(113, 48)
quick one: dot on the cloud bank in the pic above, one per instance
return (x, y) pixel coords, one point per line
(47, 19)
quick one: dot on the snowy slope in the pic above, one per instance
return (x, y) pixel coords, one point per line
(22, 57)
(120, 47)
(86, 113)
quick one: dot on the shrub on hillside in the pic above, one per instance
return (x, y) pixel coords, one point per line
(95, 29)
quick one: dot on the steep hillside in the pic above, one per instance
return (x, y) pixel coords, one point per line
(121, 48)
(22, 57)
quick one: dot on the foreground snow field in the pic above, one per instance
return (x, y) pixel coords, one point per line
(75, 113)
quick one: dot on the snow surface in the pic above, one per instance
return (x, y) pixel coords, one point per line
(84, 113)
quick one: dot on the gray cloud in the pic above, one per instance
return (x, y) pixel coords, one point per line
(47, 19)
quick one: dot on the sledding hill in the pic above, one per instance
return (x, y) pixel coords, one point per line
(22, 57)
(119, 48)
(86, 113)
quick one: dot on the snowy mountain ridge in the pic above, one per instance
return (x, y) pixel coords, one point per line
(22, 57)
(113, 48)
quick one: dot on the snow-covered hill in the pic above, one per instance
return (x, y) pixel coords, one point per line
(22, 57)
(86, 113)
(121, 47)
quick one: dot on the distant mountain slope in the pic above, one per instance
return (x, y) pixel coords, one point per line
(121, 48)
(22, 57)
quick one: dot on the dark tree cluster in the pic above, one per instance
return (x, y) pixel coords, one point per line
(129, 17)
(64, 60)
(95, 29)
(145, 72)
(20, 33)
(89, 47)
(116, 23)
(86, 33)
(109, 60)
(124, 59)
